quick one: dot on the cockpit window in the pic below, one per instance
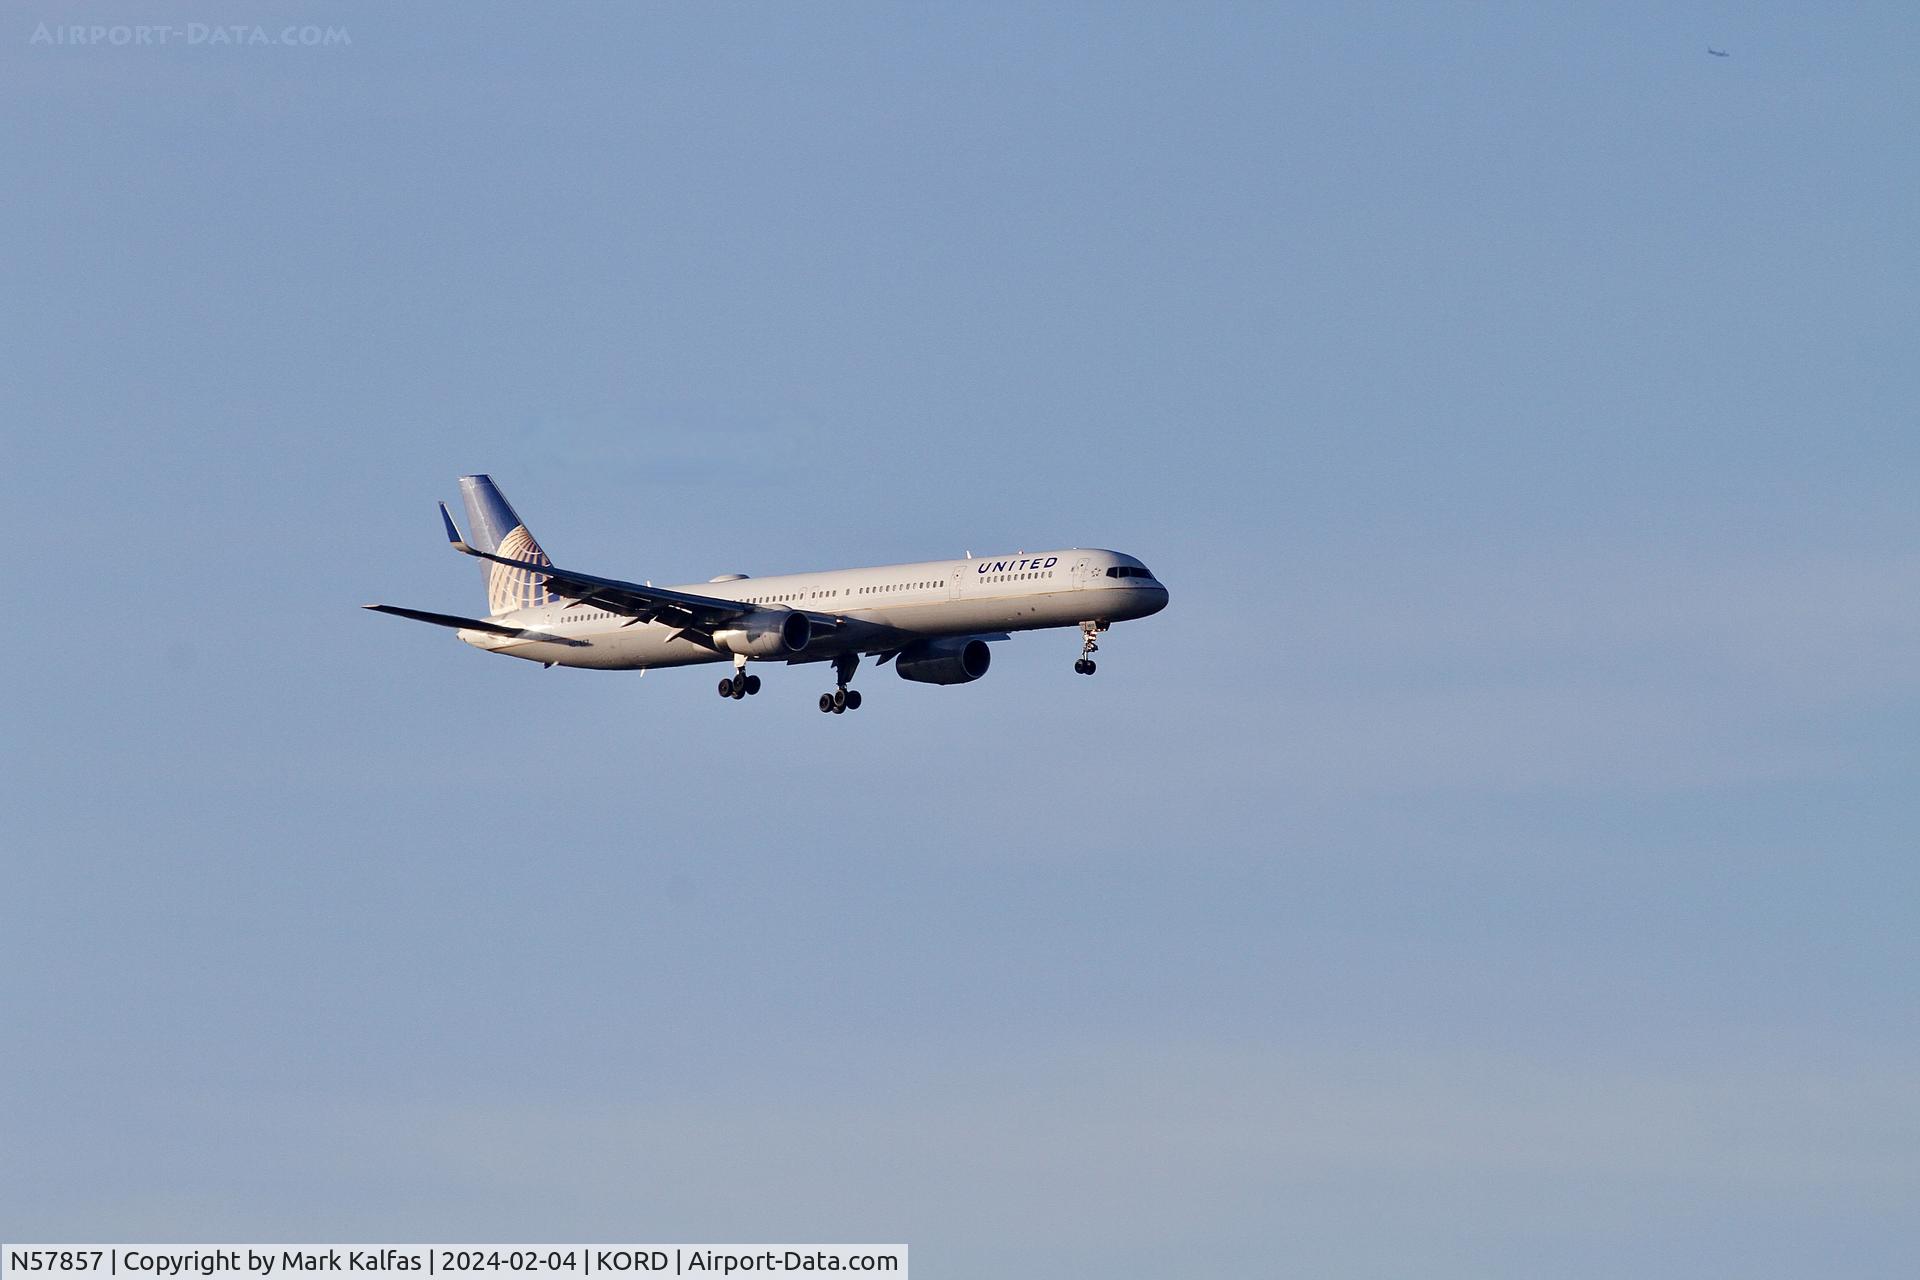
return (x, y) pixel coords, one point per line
(1128, 571)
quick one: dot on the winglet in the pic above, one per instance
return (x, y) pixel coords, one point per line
(453, 534)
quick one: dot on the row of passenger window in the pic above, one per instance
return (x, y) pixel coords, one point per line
(883, 588)
(828, 595)
(1123, 571)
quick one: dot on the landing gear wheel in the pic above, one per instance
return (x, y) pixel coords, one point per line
(842, 699)
(1088, 644)
(739, 684)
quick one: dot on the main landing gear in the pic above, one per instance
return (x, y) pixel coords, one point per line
(842, 698)
(740, 684)
(1088, 646)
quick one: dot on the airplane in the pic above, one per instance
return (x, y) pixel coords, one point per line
(932, 620)
(1718, 53)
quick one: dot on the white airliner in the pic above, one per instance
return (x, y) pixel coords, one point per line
(932, 619)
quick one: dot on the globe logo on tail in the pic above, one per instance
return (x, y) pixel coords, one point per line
(509, 588)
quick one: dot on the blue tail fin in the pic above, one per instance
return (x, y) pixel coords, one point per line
(493, 527)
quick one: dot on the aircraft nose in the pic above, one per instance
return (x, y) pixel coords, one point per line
(1156, 598)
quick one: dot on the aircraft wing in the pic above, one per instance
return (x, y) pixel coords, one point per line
(473, 624)
(696, 614)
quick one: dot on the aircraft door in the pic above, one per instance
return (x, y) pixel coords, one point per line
(953, 584)
(1080, 574)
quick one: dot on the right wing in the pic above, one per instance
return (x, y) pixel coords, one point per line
(473, 624)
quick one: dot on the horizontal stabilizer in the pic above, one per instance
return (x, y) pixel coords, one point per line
(474, 624)
(453, 534)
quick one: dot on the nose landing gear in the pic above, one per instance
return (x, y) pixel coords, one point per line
(842, 699)
(1088, 646)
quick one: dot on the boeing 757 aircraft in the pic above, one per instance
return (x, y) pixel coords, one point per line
(931, 620)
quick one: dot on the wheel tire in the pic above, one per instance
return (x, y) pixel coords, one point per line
(839, 699)
(853, 699)
(839, 708)
(826, 702)
(739, 690)
(1090, 666)
(726, 688)
(753, 685)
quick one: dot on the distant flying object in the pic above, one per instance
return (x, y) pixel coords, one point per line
(932, 620)
(1718, 53)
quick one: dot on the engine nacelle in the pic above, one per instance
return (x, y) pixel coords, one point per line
(765, 633)
(944, 661)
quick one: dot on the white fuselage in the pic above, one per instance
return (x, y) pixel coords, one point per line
(931, 599)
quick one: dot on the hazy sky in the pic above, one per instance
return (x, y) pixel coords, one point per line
(1499, 860)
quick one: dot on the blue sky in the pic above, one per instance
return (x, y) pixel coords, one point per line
(1498, 861)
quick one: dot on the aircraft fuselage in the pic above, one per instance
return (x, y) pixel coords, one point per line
(927, 600)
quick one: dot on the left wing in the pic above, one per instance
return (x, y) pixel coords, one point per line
(695, 615)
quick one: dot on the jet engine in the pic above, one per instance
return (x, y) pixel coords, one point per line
(765, 633)
(954, 661)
